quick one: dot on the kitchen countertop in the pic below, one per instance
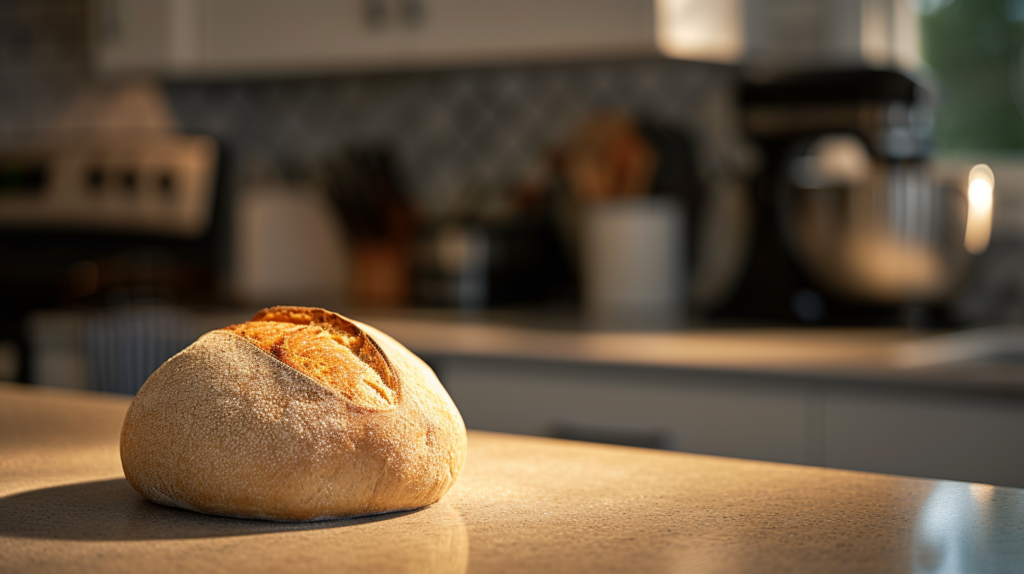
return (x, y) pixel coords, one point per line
(986, 360)
(521, 505)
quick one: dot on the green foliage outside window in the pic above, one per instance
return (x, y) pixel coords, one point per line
(975, 49)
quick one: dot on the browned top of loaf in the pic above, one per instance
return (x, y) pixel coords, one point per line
(329, 349)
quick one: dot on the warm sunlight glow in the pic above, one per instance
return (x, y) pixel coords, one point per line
(979, 209)
(700, 30)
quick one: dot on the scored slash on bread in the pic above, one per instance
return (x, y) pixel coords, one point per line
(297, 414)
(328, 348)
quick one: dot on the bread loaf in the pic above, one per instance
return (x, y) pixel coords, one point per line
(298, 414)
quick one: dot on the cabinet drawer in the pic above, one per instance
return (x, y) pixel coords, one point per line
(678, 410)
(932, 435)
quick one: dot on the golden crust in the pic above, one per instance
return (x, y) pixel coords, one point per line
(329, 348)
(226, 427)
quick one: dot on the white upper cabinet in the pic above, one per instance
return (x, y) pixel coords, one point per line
(270, 37)
(256, 35)
(232, 38)
(454, 31)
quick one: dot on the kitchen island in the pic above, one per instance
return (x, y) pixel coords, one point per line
(522, 504)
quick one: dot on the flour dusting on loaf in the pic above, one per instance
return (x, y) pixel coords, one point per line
(298, 414)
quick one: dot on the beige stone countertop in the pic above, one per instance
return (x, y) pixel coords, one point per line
(521, 505)
(987, 360)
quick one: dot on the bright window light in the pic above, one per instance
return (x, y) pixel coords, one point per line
(980, 185)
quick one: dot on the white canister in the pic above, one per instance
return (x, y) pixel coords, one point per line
(634, 264)
(289, 247)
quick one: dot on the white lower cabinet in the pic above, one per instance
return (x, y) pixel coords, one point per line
(935, 435)
(878, 428)
(642, 407)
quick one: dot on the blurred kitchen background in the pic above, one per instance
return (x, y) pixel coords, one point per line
(788, 230)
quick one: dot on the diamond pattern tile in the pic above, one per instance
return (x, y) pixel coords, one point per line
(479, 129)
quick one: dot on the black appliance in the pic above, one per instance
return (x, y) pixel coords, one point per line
(102, 221)
(849, 228)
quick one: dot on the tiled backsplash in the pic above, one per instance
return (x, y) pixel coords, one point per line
(463, 130)
(44, 61)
